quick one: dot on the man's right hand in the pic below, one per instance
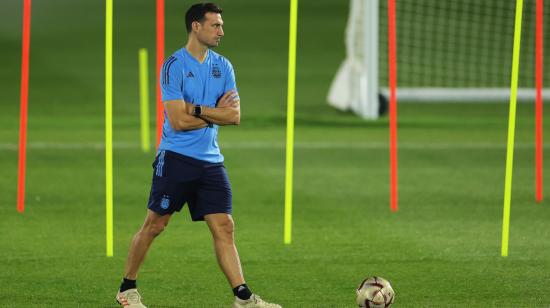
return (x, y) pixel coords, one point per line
(229, 99)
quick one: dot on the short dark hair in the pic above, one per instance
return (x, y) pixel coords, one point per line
(197, 12)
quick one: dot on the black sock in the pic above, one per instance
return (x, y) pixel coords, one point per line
(242, 292)
(127, 284)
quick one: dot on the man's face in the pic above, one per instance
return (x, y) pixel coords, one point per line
(210, 31)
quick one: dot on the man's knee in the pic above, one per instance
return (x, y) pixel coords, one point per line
(224, 228)
(154, 228)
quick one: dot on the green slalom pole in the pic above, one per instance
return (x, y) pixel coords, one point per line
(290, 119)
(144, 100)
(109, 124)
(511, 130)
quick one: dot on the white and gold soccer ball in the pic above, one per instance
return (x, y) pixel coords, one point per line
(375, 292)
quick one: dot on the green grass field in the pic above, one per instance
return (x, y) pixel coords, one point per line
(441, 249)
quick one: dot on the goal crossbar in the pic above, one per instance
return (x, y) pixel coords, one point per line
(493, 95)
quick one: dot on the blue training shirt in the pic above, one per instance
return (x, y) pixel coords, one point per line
(184, 78)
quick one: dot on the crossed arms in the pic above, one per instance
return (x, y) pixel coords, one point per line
(227, 112)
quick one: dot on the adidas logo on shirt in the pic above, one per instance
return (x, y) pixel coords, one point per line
(190, 75)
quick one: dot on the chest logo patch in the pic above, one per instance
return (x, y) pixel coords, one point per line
(216, 72)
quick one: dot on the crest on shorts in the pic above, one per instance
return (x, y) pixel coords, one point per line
(165, 202)
(216, 72)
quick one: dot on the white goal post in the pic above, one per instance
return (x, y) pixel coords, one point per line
(355, 87)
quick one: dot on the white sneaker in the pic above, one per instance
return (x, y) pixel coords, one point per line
(253, 302)
(130, 299)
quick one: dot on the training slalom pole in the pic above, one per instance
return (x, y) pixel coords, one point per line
(160, 60)
(109, 124)
(144, 99)
(290, 119)
(539, 47)
(25, 51)
(511, 129)
(392, 46)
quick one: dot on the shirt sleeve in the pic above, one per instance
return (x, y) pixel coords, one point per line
(230, 83)
(171, 79)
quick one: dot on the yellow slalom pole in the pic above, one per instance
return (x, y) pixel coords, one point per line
(290, 119)
(144, 100)
(511, 130)
(109, 124)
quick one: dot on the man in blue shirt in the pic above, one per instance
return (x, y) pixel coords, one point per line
(199, 95)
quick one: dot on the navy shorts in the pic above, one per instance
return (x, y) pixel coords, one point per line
(179, 179)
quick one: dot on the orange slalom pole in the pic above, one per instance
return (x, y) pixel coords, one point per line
(393, 104)
(160, 60)
(539, 71)
(24, 103)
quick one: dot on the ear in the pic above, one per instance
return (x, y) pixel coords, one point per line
(196, 26)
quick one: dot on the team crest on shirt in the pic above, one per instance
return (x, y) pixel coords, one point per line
(165, 202)
(216, 72)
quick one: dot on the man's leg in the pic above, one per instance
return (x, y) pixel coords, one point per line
(222, 229)
(221, 225)
(154, 224)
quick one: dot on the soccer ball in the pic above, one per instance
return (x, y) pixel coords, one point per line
(375, 292)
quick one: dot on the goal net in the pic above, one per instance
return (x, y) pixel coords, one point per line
(459, 50)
